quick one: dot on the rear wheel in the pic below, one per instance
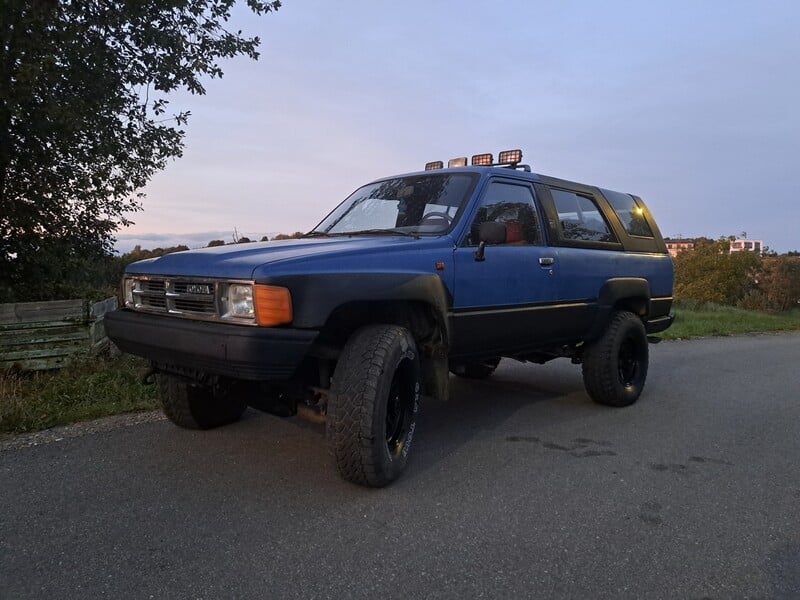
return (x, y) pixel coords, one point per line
(615, 366)
(373, 404)
(195, 406)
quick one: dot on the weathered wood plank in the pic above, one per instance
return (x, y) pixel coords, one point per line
(37, 325)
(44, 335)
(99, 309)
(43, 364)
(62, 350)
(9, 340)
(30, 312)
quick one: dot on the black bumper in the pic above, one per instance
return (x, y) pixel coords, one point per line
(254, 353)
(659, 324)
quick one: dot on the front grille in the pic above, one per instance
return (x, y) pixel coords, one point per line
(193, 298)
(198, 306)
(154, 301)
(153, 285)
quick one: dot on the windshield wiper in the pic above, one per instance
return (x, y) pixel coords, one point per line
(316, 233)
(380, 232)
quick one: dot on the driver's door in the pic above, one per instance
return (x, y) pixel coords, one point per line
(503, 300)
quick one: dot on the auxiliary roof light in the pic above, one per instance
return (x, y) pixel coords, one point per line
(432, 166)
(457, 162)
(509, 157)
(482, 160)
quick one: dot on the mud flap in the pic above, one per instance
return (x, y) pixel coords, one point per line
(436, 377)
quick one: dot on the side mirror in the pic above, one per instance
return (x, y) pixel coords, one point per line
(490, 232)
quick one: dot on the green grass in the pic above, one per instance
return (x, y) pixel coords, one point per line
(700, 320)
(87, 389)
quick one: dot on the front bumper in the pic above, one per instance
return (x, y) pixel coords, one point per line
(254, 353)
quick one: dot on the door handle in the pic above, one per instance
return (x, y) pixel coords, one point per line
(546, 261)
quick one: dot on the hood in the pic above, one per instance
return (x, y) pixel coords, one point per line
(242, 261)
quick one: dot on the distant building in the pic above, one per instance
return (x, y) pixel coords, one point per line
(679, 245)
(742, 245)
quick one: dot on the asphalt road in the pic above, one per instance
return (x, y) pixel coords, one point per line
(518, 487)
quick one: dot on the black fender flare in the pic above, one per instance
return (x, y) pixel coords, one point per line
(315, 296)
(632, 292)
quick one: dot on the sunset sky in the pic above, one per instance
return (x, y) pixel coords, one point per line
(695, 106)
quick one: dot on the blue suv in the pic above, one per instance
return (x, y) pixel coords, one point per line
(410, 279)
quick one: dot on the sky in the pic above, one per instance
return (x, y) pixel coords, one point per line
(694, 106)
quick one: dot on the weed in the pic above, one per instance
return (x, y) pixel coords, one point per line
(696, 319)
(86, 389)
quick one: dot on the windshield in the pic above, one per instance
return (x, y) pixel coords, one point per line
(421, 204)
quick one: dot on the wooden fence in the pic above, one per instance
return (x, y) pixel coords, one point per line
(44, 335)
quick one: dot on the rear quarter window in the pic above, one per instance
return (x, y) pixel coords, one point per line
(579, 218)
(631, 215)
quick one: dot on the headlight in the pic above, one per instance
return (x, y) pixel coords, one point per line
(238, 301)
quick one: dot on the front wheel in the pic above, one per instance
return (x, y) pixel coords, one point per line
(373, 404)
(615, 366)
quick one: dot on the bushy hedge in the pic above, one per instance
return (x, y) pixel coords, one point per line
(711, 273)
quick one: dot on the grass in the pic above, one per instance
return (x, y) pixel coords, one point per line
(87, 389)
(98, 387)
(702, 320)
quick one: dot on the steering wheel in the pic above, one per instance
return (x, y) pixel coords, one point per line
(437, 214)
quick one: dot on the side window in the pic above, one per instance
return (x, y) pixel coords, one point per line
(512, 206)
(579, 218)
(630, 213)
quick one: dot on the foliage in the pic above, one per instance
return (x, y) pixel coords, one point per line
(711, 273)
(84, 124)
(777, 285)
(295, 236)
(698, 319)
(89, 388)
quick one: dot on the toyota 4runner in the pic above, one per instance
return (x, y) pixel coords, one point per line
(411, 278)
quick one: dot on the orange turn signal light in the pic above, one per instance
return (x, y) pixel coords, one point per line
(273, 305)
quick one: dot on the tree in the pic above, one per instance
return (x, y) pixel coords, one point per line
(84, 122)
(214, 243)
(711, 273)
(778, 285)
(295, 236)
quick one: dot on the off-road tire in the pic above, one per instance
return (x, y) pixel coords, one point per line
(194, 406)
(615, 365)
(476, 370)
(373, 404)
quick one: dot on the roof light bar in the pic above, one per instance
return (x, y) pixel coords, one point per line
(457, 162)
(482, 160)
(506, 158)
(509, 157)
